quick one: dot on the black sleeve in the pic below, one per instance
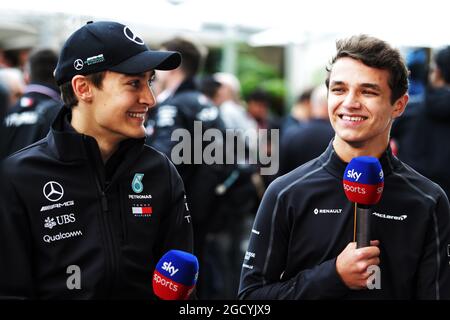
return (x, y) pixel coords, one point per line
(266, 256)
(16, 277)
(176, 225)
(433, 274)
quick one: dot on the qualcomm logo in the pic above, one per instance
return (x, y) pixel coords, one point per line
(66, 235)
(53, 191)
(390, 217)
(327, 211)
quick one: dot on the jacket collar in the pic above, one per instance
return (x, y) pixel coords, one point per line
(336, 166)
(69, 145)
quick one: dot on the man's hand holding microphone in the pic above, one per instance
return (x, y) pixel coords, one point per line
(363, 185)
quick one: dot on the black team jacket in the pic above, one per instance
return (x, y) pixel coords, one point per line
(305, 221)
(63, 210)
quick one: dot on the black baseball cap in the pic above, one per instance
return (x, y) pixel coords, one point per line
(107, 45)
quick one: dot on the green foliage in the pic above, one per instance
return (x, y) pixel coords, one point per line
(254, 73)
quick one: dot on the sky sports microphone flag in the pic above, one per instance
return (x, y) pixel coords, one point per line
(175, 275)
(363, 184)
(364, 181)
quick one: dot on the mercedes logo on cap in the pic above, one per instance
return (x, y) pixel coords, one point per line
(131, 36)
(53, 191)
(78, 64)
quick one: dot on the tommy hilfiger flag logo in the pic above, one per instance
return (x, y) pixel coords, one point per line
(142, 211)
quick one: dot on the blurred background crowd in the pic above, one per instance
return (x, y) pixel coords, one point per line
(261, 64)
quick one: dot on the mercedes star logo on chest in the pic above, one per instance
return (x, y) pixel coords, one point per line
(53, 191)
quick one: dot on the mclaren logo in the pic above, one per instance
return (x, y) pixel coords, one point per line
(390, 217)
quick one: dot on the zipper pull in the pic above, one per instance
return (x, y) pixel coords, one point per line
(104, 202)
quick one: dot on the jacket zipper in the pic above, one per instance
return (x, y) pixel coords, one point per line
(111, 258)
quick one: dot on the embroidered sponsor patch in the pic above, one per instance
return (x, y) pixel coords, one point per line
(142, 211)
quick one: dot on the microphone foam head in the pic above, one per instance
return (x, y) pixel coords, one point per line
(364, 180)
(175, 275)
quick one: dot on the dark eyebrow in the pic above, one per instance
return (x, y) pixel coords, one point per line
(336, 83)
(140, 75)
(371, 86)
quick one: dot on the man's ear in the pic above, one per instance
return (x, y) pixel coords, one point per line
(400, 105)
(82, 88)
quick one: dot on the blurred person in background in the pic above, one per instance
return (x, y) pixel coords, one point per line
(13, 80)
(308, 141)
(15, 50)
(422, 135)
(4, 101)
(300, 112)
(232, 111)
(417, 63)
(258, 106)
(181, 107)
(30, 118)
(236, 208)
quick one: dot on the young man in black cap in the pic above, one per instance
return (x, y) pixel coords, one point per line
(89, 210)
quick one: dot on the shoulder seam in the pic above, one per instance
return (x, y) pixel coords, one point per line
(38, 143)
(410, 184)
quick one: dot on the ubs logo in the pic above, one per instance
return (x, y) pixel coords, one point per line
(53, 191)
(60, 220)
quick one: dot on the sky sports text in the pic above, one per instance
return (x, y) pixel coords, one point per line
(165, 283)
(242, 147)
(360, 190)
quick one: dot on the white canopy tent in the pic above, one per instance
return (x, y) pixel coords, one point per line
(309, 33)
(307, 29)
